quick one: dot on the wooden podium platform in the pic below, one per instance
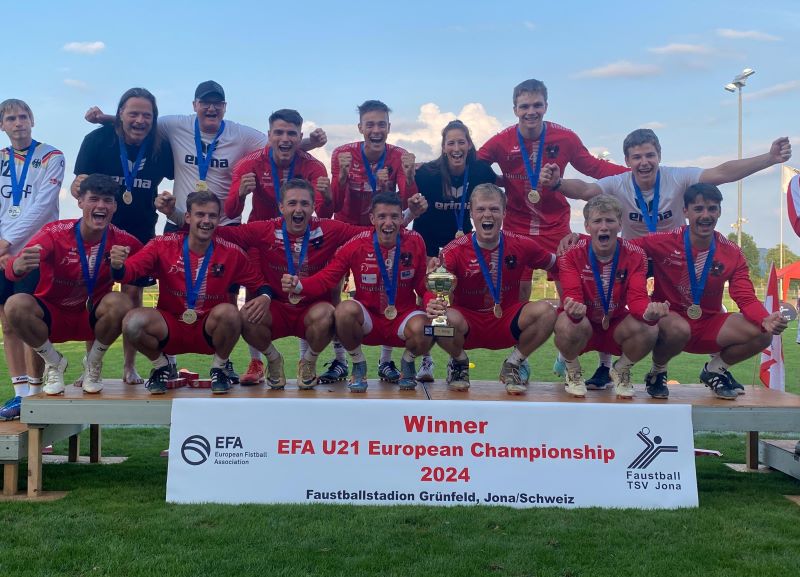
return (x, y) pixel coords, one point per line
(118, 404)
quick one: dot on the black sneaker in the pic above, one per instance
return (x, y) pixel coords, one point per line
(173, 371)
(157, 383)
(599, 380)
(656, 385)
(388, 373)
(737, 386)
(337, 371)
(220, 381)
(719, 383)
(232, 375)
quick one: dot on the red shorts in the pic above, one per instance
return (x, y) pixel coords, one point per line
(288, 320)
(486, 331)
(602, 340)
(378, 330)
(704, 333)
(183, 338)
(549, 244)
(68, 325)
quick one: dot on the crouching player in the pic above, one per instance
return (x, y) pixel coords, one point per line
(691, 266)
(195, 273)
(608, 274)
(388, 265)
(73, 301)
(486, 310)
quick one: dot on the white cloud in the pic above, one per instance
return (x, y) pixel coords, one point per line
(653, 125)
(774, 90)
(747, 35)
(529, 25)
(84, 47)
(620, 69)
(681, 49)
(73, 83)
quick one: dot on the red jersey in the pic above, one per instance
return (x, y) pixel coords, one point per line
(351, 202)
(666, 249)
(325, 238)
(265, 204)
(61, 277)
(472, 292)
(162, 258)
(358, 255)
(630, 280)
(550, 216)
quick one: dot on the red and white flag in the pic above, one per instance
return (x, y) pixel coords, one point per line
(771, 371)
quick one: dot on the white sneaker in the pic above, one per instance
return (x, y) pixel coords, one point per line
(54, 376)
(92, 377)
(623, 387)
(425, 372)
(575, 385)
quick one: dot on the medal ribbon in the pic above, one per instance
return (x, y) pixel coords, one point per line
(462, 201)
(89, 279)
(604, 292)
(287, 247)
(276, 175)
(532, 176)
(130, 173)
(372, 176)
(204, 161)
(495, 291)
(390, 285)
(17, 186)
(698, 285)
(650, 216)
(193, 285)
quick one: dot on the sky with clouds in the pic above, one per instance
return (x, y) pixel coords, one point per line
(609, 67)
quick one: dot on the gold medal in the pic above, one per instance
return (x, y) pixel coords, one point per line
(295, 298)
(201, 186)
(390, 312)
(459, 233)
(127, 197)
(14, 211)
(498, 310)
(694, 312)
(534, 196)
(189, 316)
(606, 322)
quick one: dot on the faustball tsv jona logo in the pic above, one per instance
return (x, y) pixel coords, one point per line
(653, 448)
(195, 450)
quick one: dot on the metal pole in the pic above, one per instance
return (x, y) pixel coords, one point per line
(739, 184)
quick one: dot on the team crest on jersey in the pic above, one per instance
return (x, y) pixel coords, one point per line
(405, 259)
(511, 261)
(552, 150)
(717, 268)
(36, 163)
(217, 270)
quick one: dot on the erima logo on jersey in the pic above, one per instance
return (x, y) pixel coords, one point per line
(369, 278)
(215, 162)
(407, 274)
(639, 217)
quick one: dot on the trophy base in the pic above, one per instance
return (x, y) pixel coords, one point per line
(439, 331)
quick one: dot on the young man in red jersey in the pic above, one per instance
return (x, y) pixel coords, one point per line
(486, 310)
(193, 315)
(691, 266)
(388, 264)
(604, 304)
(73, 300)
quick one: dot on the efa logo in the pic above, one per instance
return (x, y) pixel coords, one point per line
(196, 449)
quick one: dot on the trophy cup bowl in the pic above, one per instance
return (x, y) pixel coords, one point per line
(442, 283)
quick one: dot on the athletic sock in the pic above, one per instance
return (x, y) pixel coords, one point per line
(716, 364)
(462, 357)
(623, 363)
(172, 359)
(386, 354)
(255, 354)
(48, 352)
(34, 389)
(338, 350)
(95, 354)
(573, 365)
(357, 355)
(272, 353)
(218, 362)
(20, 385)
(310, 356)
(161, 362)
(656, 368)
(408, 356)
(516, 357)
(303, 348)
(605, 359)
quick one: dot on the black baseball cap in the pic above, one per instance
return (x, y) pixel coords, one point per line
(208, 88)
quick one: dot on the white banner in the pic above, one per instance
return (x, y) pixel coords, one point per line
(388, 452)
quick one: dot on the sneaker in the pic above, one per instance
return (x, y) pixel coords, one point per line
(560, 367)
(623, 387)
(92, 377)
(599, 380)
(276, 378)
(173, 371)
(306, 375)
(719, 383)
(408, 375)
(220, 381)
(656, 385)
(737, 386)
(232, 375)
(425, 373)
(358, 379)
(337, 371)
(509, 375)
(574, 384)
(11, 409)
(458, 375)
(525, 371)
(54, 376)
(254, 374)
(157, 383)
(388, 372)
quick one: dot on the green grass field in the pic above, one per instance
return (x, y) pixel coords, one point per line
(115, 521)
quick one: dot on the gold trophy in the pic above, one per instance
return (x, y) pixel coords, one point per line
(442, 283)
